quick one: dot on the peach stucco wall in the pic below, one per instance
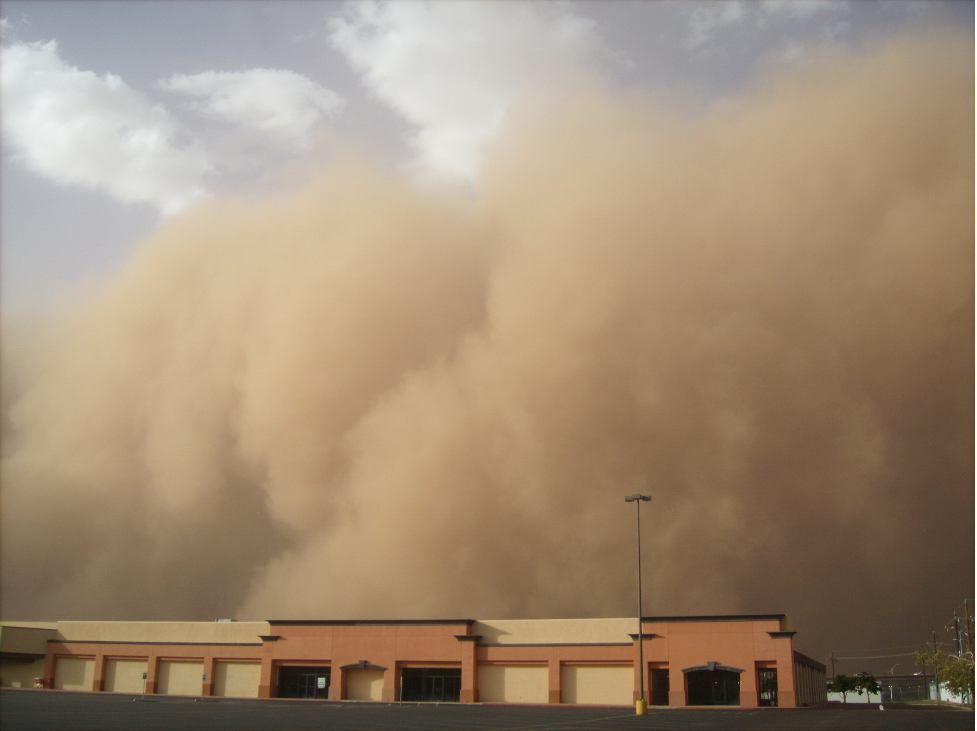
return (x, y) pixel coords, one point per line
(384, 649)
(739, 644)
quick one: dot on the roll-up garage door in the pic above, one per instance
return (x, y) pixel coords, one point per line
(513, 683)
(124, 676)
(364, 684)
(237, 679)
(74, 673)
(598, 684)
(180, 677)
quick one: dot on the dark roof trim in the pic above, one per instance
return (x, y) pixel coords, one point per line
(717, 618)
(680, 618)
(784, 633)
(710, 666)
(644, 636)
(468, 638)
(269, 638)
(146, 642)
(466, 622)
(555, 644)
(362, 664)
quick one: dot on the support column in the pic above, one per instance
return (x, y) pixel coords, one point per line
(635, 690)
(749, 696)
(49, 662)
(786, 695)
(337, 683)
(556, 681)
(152, 665)
(676, 687)
(390, 689)
(267, 671)
(642, 672)
(208, 686)
(98, 682)
(468, 692)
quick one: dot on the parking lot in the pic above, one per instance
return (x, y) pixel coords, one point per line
(28, 710)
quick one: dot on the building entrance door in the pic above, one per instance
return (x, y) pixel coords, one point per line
(712, 688)
(437, 685)
(659, 686)
(303, 682)
(767, 687)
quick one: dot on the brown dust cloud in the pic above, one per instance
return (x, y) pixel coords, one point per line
(369, 399)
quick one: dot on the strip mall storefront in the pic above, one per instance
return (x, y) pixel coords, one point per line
(745, 661)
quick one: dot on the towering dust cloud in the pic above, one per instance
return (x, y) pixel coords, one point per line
(369, 400)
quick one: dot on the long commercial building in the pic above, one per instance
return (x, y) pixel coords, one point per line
(733, 660)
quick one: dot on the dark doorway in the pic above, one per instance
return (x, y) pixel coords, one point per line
(659, 686)
(439, 685)
(767, 686)
(303, 682)
(712, 688)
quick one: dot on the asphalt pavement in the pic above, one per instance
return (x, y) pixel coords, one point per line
(30, 710)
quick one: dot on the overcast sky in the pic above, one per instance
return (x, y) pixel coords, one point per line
(118, 114)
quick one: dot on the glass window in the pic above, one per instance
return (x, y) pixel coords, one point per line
(767, 686)
(712, 688)
(659, 686)
(438, 685)
(303, 682)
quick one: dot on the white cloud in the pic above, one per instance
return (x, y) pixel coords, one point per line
(801, 8)
(709, 19)
(705, 20)
(452, 68)
(77, 128)
(282, 104)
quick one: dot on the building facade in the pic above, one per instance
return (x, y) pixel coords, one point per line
(741, 660)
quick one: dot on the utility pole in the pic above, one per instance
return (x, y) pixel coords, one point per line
(956, 631)
(970, 636)
(936, 669)
(926, 685)
(832, 664)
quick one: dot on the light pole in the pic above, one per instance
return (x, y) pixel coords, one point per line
(639, 706)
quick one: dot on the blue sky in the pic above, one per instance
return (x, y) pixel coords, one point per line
(117, 115)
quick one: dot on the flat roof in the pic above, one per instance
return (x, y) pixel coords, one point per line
(717, 618)
(676, 618)
(370, 621)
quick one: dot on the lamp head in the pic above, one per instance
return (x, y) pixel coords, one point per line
(636, 496)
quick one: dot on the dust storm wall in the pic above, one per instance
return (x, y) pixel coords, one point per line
(367, 399)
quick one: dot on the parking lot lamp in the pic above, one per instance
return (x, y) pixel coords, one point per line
(640, 706)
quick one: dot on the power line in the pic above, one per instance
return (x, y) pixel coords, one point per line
(884, 649)
(874, 657)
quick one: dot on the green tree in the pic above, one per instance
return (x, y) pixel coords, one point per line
(866, 683)
(954, 673)
(842, 684)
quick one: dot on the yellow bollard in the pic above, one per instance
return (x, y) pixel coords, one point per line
(640, 707)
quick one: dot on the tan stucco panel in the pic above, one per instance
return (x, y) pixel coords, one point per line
(154, 632)
(237, 679)
(597, 684)
(364, 684)
(179, 677)
(74, 673)
(555, 631)
(26, 638)
(513, 683)
(125, 676)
